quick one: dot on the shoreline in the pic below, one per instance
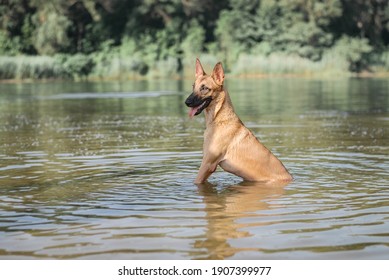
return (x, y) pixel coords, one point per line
(184, 77)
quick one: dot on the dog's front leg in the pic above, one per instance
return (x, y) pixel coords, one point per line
(206, 169)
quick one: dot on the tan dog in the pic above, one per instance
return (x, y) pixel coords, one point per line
(227, 142)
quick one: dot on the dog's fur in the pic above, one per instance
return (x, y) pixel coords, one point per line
(227, 142)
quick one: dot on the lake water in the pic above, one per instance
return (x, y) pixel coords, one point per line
(106, 170)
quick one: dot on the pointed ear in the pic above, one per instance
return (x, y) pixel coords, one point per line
(218, 74)
(199, 69)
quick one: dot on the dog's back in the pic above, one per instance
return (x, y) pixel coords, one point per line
(243, 154)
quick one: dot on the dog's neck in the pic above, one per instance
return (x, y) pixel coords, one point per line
(220, 109)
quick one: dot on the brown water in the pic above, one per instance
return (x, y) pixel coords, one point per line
(105, 171)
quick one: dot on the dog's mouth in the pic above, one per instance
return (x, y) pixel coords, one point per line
(196, 110)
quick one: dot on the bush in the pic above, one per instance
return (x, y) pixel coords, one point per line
(78, 65)
(355, 51)
(274, 64)
(30, 67)
(40, 67)
(194, 40)
(379, 62)
(8, 68)
(51, 34)
(384, 60)
(282, 63)
(44, 67)
(164, 68)
(119, 62)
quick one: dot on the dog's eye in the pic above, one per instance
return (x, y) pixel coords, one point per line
(204, 88)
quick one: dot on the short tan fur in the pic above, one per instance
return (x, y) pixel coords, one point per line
(227, 142)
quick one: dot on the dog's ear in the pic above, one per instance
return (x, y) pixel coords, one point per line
(199, 69)
(218, 74)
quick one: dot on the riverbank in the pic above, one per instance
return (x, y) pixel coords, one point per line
(117, 67)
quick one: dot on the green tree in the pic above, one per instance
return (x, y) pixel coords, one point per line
(152, 31)
(194, 37)
(355, 50)
(51, 35)
(15, 27)
(366, 19)
(291, 26)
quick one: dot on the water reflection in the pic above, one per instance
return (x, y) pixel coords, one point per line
(279, 98)
(109, 174)
(229, 211)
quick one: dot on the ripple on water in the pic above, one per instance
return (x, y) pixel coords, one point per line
(103, 176)
(112, 201)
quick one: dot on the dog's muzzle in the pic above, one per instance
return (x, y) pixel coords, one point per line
(196, 104)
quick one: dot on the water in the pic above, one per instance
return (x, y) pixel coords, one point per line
(105, 171)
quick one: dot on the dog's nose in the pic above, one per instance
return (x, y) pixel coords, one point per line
(189, 100)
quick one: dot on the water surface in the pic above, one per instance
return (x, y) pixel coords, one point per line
(105, 171)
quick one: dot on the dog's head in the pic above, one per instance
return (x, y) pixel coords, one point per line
(205, 88)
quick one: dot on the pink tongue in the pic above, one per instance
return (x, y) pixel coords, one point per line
(193, 110)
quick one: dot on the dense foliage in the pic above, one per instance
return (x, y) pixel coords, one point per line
(112, 37)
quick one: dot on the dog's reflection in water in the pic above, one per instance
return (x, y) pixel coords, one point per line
(225, 210)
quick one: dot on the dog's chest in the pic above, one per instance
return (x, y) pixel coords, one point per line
(220, 137)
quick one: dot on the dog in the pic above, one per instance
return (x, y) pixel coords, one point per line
(227, 142)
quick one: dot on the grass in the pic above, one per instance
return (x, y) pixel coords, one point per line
(31, 67)
(281, 64)
(118, 66)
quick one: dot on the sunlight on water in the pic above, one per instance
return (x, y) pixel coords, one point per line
(106, 170)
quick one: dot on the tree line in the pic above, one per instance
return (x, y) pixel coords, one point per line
(154, 31)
